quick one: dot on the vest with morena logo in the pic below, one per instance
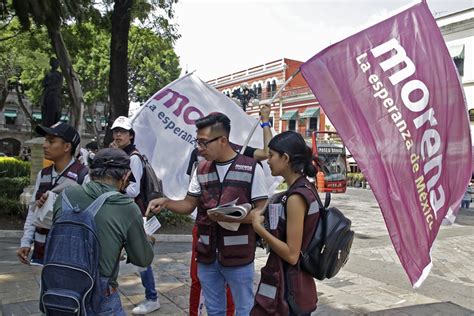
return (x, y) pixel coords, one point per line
(234, 248)
(75, 173)
(273, 295)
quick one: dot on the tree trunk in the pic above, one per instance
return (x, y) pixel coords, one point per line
(118, 76)
(74, 86)
(23, 106)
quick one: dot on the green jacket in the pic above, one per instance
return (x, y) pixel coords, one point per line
(119, 225)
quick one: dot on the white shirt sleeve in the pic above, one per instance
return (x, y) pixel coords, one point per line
(133, 189)
(194, 188)
(259, 189)
(29, 228)
(86, 180)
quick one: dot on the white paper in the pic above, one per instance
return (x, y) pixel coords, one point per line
(44, 214)
(274, 215)
(151, 225)
(231, 211)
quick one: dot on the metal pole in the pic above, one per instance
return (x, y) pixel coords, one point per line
(257, 122)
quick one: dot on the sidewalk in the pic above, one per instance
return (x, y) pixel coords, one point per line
(372, 282)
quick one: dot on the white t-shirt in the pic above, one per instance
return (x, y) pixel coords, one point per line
(259, 189)
(136, 165)
(29, 228)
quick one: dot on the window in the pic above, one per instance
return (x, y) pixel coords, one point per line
(258, 90)
(292, 125)
(457, 54)
(313, 123)
(273, 86)
(459, 62)
(10, 117)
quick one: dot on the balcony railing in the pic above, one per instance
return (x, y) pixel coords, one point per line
(287, 93)
(292, 92)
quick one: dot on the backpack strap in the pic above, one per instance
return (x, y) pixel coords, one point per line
(94, 206)
(97, 204)
(327, 199)
(82, 174)
(65, 204)
(322, 210)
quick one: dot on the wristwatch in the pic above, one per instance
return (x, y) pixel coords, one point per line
(265, 124)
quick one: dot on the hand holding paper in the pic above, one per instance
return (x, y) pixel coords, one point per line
(44, 213)
(151, 225)
(229, 215)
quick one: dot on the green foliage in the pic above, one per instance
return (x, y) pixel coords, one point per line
(12, 207)
(24, 58)
(153, 63)
(90, 47)
(11, 167)
(168, 218)
(11, 188)
(356, 176)
(86, 30)
(156, 15)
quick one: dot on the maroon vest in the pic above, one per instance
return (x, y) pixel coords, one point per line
(234, 248)
(283, 286)
(75, 172)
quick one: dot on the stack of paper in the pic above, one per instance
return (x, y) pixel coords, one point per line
(233, 212)
(44, 214)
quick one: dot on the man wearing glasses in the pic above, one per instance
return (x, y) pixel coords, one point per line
(223, 256)
(195, 295)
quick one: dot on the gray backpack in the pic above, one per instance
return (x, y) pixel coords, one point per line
(150, 185)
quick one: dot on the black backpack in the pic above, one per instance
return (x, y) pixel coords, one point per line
(150, 185)
(329, 248)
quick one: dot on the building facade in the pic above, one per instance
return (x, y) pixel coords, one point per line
(294, 109)
(458, 32)
(16, 126)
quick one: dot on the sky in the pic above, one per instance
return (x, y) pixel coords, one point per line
(220, 37)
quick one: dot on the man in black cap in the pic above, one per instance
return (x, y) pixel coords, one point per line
(119, 223)
(61, 141)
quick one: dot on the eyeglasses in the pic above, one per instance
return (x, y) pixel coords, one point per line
(203, 143)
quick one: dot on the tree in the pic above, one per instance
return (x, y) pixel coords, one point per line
(51, 14)
(23, 60)
(153, 63)
(155, 12)
(150, 64)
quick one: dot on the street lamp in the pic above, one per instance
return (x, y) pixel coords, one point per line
(244, 94)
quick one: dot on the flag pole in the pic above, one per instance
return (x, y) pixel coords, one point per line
(257, 122)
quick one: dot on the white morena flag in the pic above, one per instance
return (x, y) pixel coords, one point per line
(165, 130)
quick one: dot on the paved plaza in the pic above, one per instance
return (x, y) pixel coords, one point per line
(372, 283)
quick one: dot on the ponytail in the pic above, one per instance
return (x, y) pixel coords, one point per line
(293, 144)
(309, 168)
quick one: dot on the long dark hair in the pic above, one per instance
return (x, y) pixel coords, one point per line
(293, 144)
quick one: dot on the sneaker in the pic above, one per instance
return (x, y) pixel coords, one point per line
(146, 307)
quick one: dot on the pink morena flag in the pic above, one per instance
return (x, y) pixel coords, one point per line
(393, 94)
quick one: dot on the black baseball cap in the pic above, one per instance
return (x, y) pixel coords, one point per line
(111, 158)
(63, 130)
